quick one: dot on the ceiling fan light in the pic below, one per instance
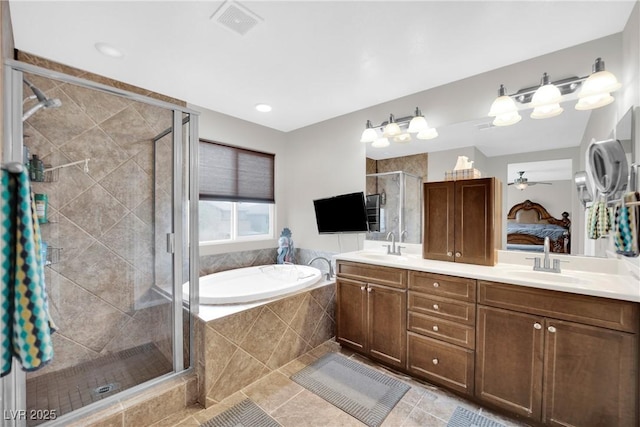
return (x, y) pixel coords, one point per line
(521, 185)
(594, 101)
(507, 119)
(418, 124)
(381, 143)
(546, 111)
(427, 134)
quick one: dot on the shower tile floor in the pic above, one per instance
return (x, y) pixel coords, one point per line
(72, 388)
(293, 406)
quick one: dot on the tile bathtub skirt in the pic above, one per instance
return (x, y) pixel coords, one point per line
(26, 326)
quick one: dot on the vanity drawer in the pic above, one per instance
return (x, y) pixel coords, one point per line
(459, 288)
(388, 276)
(452, 332)
(445, 308)
(440, 363)
(589, 310)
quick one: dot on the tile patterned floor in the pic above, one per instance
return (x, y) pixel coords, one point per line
(294, 406)
(73, 388)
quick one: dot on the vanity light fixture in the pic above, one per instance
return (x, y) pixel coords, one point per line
(394, 129)
(545, 99)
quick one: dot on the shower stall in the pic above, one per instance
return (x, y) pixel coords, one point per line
(394, 204)
(119, 181)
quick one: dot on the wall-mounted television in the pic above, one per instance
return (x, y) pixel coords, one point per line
(345, 213)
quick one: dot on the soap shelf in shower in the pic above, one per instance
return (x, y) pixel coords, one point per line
(53, 255)
(50, 174)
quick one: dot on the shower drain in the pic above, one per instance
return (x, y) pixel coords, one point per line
(104, 389)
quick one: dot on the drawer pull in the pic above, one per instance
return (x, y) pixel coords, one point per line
(436, 284)
(551, 329)
(435, 361)
(458, 254)
(362, 288)
(435, 328)
(537, 325)
(436, 307)
(449, 253)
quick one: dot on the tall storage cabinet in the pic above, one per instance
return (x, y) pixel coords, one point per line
(462, 220)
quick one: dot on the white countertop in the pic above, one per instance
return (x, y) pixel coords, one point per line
(609, 278)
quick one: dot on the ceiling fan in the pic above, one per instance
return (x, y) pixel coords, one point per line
(521, 182)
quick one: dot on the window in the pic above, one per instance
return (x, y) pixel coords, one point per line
(236, 193)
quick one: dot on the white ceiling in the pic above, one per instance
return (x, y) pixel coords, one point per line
(311, 60)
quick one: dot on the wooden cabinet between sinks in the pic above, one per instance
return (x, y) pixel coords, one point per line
(553, 358)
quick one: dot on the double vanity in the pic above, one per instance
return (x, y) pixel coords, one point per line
(548, 348)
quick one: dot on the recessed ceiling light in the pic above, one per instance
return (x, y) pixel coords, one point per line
(263, 108)
(108, 50)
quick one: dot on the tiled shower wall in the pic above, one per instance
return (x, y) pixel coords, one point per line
(100, 292)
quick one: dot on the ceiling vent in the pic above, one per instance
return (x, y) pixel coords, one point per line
(234, 16)
(485, 126)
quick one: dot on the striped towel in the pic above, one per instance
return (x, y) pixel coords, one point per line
(627, 226)
(26, 328)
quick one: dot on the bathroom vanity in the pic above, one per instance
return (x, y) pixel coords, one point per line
(552, 349)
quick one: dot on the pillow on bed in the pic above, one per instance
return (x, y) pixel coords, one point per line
(539, 230)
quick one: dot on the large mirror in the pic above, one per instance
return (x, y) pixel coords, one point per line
(546, 152)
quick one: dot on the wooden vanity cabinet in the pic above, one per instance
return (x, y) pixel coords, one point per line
(462, 220)
(441, 331)
(371, 311)
(560, 359)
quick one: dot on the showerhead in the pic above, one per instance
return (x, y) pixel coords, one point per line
(43, 101)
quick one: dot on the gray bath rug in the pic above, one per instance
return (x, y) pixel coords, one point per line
(358, 390)
(465, 418)
(243, 414)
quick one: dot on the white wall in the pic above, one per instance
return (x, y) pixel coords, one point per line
(232, 131)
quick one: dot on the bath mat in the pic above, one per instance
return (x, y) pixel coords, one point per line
(358, 390)
(465, 418)
(243, 414)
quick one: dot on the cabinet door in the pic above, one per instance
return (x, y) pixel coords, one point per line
(590, 376)
(475, 228)
(351, 327)
(387, 324)
(509, 351)
(437, 241)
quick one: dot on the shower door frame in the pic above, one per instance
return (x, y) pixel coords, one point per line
(13, 386)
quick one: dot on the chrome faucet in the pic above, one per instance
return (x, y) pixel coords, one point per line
(328, 275)
(546, 265)
(391, 249)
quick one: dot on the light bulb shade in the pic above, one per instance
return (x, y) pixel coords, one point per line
(545, 95)
(380, 143)
(403, 138)
(507, 119)
(391, 130)
(546, 111)
(502, 105)
(599, 82)
(521, 185)
(418, 124)
(427, 134)
(369, 135)
(594, 101)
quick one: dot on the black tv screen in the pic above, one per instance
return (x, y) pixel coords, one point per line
(345, 213)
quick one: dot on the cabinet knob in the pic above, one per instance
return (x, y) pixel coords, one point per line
(436, 307)
(551, 329)
(458, 254)
(436, 284)
(449, 253)
(368, 289)
(435, 361)
(362, 288)
(537, 325)
(435, 328)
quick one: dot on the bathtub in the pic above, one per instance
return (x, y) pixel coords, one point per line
(249, 284)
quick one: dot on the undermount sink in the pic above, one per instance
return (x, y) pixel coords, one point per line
(383, 257)
(558, 278)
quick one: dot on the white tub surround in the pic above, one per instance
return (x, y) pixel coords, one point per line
(609, 278)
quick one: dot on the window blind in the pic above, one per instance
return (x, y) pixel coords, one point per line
(235, 174)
